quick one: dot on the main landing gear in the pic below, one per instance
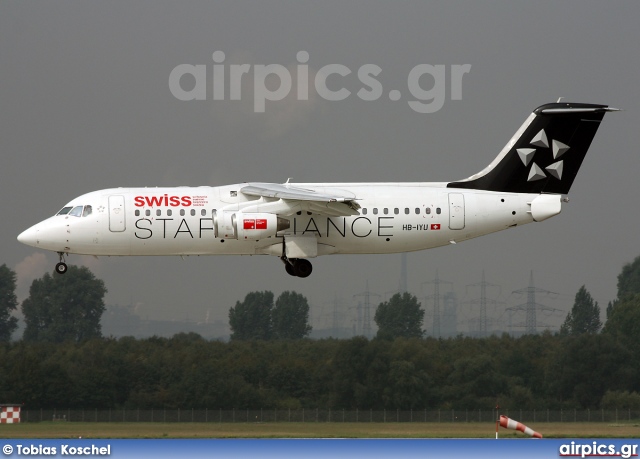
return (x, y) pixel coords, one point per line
(61, 267)
(298, 267)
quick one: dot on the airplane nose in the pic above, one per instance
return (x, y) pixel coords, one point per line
(50, 234)
(29, 237)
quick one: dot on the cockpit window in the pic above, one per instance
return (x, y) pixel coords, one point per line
(64, 210)
(76, 211)
(87, 211)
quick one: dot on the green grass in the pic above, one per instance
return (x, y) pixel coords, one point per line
(308, 430)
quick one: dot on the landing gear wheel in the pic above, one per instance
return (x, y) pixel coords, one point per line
(299, 267)
(61, 267)
(302, 267)
(289, 268)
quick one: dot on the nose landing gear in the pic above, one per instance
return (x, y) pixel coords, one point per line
(61, 267)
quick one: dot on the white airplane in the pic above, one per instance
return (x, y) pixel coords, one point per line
(527, 182)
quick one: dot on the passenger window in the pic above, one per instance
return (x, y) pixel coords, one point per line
(87, 211)
(386, 211)
(375, 211)
(147, 212)
(396, 211)
(438, 210)
(364, 211)
(158, 212)
(182, 212)
(428, 210)
(137, 213)
(417, 210)
(203, 212)
(169, 212)
(76, 211)
(406, 211)
(64, 210)
(193, 212)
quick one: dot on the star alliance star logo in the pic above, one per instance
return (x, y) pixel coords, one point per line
(557, 148)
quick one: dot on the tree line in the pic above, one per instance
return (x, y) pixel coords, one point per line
(63, 361)
(186, 371)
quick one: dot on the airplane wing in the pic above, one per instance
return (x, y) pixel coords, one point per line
(334, 203)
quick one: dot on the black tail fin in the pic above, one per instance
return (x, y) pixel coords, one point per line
(544, 155)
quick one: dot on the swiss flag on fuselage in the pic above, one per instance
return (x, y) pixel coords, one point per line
(435, 226)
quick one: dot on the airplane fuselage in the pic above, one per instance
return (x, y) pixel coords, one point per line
(394, 217)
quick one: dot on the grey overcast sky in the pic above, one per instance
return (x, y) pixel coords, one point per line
(85, 104)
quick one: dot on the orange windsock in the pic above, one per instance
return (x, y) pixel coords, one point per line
(508, 423)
